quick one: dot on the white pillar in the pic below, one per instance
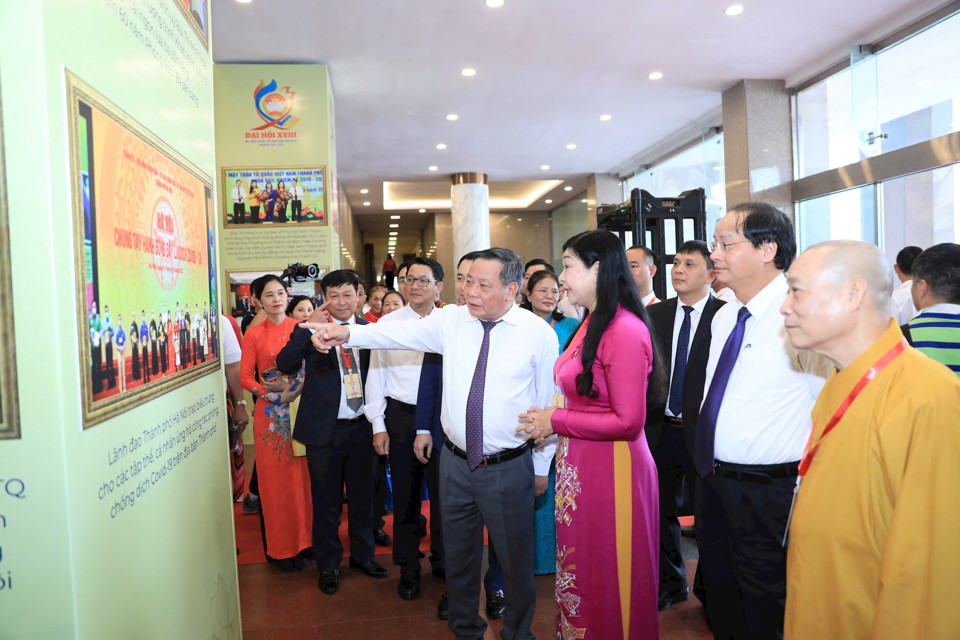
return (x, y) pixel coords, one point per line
(470, 205)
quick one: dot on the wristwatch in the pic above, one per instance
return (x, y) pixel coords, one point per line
(242, 403)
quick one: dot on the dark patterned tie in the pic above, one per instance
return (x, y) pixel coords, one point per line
(707, 422)
(474, 426)
(354, 404)
(680, 364)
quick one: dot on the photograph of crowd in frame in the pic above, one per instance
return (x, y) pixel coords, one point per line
(197, 14)
(9, 407)
(143, 237)
(259, 197)
(240, 298)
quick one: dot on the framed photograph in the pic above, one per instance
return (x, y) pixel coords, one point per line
(276, 197)
(143, 240)
(197, 13)
(240, 302)
(9, 408)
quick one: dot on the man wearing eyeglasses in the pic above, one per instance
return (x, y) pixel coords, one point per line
(392, 387)
(752, 428)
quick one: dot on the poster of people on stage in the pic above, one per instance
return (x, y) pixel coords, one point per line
(145, 262)
(276, 197)
(9, 412)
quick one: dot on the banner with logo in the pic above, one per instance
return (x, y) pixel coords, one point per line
(143, 219)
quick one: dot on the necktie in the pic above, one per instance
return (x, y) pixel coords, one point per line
(353, 403)
(680, 364)
(707, 423)
(474, 423)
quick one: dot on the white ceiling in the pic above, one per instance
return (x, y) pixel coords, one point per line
(546, 71)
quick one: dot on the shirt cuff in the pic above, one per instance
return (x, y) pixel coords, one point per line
(421, 432)
(379, 426)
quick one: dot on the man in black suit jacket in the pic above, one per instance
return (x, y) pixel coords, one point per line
(338, 438)
(670, 428)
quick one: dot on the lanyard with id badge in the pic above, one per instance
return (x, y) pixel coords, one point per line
(351, 379)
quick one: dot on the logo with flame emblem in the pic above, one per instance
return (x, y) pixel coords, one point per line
(274, 107)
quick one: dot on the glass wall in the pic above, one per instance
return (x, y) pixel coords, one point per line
(905, 94)
(698, 166)
(921, 209)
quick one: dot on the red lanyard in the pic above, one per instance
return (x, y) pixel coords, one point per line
(871, 373)
(571, 351)
(346, 358)
(553, 321)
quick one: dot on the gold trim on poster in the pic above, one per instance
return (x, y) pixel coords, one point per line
(204, 37)
(228, 200)
(95, 412)
(9, 404)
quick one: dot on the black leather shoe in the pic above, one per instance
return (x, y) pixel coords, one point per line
(381, 538)
(409, 587)
(667, 599)
(329, 581)
(443, 609)
(495, 605)
(439, 573)
(370, 567)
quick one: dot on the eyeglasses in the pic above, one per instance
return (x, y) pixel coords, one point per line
(543, 291)
(423, 282)
(724, 246)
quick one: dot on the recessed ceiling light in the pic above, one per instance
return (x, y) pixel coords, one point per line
(545, 167)
(584, 201)
(244, 1)
(364, 191)
(734, 10)
(394, 217)
(395, 226)
(519, 219)
(468, 72)
(606, 117)
(571, 147)
(568, 188)
(656, 75)
(366, 203)
(452, 116)
(393, 233)
(493, 4)
(432, 167)
(548, 201)
(420, 210)
(441, 146)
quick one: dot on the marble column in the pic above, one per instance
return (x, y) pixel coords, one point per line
(470, 199)
(758, 143)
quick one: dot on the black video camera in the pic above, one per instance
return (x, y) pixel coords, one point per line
(300, 272)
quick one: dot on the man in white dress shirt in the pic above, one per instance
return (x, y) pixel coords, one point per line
(643, 268)
(393, 384)
(498, 362)
(752, 427)
(903, 307)
(239, 197)
(296, 201)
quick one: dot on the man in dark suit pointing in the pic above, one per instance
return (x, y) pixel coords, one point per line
(332, 426)
(682, 326)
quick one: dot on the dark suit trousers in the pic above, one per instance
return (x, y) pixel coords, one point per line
(499, 496)
(740, 527)
(380, 488)
(673, 462)
(239, 213)
(349, 457)
(407, 475)
(436, 521)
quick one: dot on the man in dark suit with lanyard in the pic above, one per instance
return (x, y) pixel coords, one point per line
(337, 435)
(682, 326)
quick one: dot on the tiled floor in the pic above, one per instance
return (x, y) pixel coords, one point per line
(281, 606)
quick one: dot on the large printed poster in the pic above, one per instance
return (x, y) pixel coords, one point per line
(9, 411)
(145, 262)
